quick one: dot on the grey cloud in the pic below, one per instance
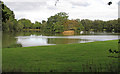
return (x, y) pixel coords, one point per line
(119, 3)
(23, 0)
(26, 6)
(119, 9)
(51, 7)
(84, 4)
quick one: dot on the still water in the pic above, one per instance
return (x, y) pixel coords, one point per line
(27, 39)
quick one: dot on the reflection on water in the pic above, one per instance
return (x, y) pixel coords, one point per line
(38, 39)
(65, 40)
(8, 39)
(34, 40)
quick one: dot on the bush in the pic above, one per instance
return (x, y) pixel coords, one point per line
(15, 46)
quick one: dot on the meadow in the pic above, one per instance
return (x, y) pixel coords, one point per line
(79, 57)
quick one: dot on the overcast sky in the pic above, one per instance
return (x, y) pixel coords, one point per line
(38, 10)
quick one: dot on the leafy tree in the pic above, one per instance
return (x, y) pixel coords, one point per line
(37, 25)
(118, 26)
(57, 19)
(73, 25)
(18, 26)
(6, 13)
(81, 27)
(97, 25)
(58, 28)
(7, 18)
(26, 22)
(43, 21)
(87, 24)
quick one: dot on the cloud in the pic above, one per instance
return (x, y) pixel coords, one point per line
(23, 0)
(119, 9)
(51, 7)
(84, 4)
(38, 10)
(119, 3)
(26, 6)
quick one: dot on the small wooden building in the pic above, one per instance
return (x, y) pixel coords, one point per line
(70, 32)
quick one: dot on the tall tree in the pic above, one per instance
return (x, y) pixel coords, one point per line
(57, 19)
(26, 22)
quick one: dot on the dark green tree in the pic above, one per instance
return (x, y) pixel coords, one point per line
(56, 20)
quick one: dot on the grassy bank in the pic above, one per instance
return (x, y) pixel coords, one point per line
(84, 57)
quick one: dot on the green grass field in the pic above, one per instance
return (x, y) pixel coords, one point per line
(83, 57)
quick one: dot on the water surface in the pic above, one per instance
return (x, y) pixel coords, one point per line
(39, 39)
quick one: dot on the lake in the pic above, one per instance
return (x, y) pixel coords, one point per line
(27, 39)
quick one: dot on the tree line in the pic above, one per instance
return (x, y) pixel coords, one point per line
(56, 24)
